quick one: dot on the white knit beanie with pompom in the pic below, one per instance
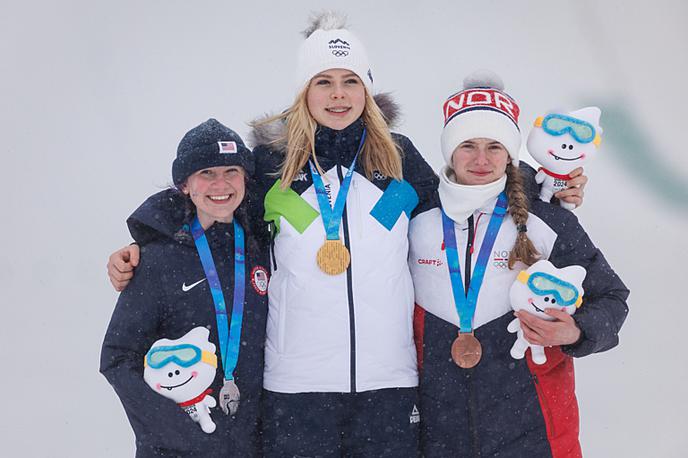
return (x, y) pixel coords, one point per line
(330, 45)
(481, 110)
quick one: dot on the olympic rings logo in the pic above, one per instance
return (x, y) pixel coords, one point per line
(500, 259)
(339, 53)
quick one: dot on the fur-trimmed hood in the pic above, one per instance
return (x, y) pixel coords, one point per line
(272, 132)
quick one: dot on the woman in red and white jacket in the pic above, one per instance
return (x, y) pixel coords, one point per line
(487, 231)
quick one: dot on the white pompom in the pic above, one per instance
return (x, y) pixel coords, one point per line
(483, 78)
(325, 20)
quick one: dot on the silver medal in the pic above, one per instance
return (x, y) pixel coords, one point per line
(229, 397)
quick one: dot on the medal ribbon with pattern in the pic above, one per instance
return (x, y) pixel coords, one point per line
(466, 303)
(228, 329)
(333, 258)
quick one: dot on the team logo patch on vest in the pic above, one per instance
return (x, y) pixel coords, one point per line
(339, 47)
(259, 280)
(500, 259)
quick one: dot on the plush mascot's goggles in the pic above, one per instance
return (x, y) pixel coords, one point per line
(544, 284)
(557, 124)
(184, 355)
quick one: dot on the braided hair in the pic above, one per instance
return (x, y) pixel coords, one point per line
(523, 249)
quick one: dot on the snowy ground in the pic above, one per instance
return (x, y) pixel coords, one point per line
(95, 97)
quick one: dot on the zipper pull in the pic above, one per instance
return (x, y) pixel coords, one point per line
(475, 234)
(273, 233)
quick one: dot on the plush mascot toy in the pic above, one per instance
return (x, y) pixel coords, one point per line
(560, 143)
(182, 370)
(540, 287)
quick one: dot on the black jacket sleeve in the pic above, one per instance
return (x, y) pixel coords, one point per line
(604, 307)
(156, 420)
(532, 189)
(420, 175)
(267, 173)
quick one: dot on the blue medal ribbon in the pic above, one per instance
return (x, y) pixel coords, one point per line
(332, 216)
(228, 330)
(466, 303)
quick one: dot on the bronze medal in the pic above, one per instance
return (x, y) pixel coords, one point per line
(333, 258)
(466, 350)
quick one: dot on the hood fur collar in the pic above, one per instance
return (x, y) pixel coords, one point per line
(270, 133)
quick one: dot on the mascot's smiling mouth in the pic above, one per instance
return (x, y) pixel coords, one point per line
(559, 158)
(531, 302)
(169, 388)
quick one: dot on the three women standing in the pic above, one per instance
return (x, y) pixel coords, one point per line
(339, 191)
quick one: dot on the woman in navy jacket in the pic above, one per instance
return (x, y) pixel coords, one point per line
(171, 295)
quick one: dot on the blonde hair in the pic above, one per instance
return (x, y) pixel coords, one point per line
(380, 152)
(523, 249)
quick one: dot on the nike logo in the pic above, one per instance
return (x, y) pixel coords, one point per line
(187, 288)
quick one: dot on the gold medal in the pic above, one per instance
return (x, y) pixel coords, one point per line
(333, 258)
(466, 350)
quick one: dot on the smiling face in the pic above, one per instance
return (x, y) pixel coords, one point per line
(178, 383)
(561, 153)
(535, 295)
(537, 304)
(336, 98)
(216, 192)
(479, 161)
(174, 380)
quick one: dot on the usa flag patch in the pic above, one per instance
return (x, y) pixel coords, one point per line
(227, 147)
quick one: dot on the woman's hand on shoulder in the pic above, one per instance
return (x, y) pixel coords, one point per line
(120, 266)
(575, 191)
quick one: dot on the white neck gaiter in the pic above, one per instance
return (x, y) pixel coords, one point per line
(461, 201)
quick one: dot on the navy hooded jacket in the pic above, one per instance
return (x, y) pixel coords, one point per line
(168, 297)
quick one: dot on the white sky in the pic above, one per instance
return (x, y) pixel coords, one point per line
(96, 95)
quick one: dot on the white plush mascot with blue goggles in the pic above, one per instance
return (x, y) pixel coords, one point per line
(561, 142)
(182, 370)
(540, 287)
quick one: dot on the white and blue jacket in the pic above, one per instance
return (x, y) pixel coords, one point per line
(350, 332)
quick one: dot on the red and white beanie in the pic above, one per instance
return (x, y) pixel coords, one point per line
(481, 110)
(329, 45)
